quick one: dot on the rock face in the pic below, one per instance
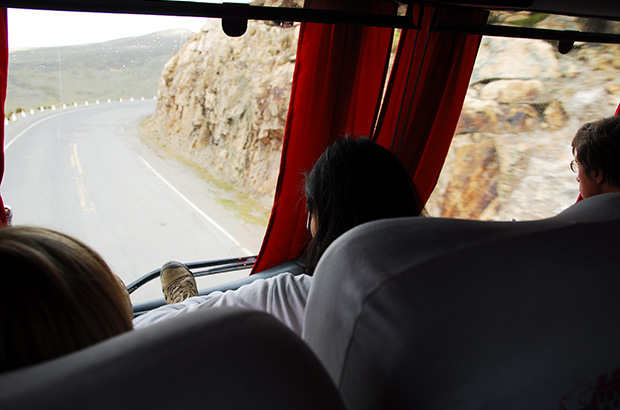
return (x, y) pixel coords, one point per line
(223, 102)
(515, 58)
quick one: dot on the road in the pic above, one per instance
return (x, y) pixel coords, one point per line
(86, 172)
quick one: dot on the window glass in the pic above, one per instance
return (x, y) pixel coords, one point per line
(152, 145)
(511, 152)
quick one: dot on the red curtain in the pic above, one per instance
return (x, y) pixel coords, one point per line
(4, 63)
(425, 95)
(337, 89)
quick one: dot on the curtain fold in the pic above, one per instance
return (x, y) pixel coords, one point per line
(425, 95)
(337, 87)
(4, 67)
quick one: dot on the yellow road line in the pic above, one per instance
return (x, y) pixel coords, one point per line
(77, 160)
(85, 201)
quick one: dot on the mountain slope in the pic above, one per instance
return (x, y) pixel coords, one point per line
(123, 68)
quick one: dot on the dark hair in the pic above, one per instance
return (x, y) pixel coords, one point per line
(597, 147)
(60, 296)
(355, 181)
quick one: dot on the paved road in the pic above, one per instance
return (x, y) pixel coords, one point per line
(85, 171)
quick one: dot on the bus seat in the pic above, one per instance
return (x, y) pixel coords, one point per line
(223, 358)
(434, 313)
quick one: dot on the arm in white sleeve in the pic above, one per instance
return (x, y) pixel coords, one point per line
(283, 296)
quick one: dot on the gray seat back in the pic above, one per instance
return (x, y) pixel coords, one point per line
(433, 313)
(223, 358)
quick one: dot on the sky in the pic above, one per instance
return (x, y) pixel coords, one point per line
(39, 28)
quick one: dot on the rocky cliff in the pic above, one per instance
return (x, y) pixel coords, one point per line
(223, 105)
(223, 102)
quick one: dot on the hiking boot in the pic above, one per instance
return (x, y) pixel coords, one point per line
(177, 282)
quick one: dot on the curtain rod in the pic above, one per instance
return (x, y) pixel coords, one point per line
(524, 32)
(235, 12)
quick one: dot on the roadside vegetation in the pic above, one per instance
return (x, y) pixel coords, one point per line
(230, 198)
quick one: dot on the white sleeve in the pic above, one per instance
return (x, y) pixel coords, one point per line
(283, 296)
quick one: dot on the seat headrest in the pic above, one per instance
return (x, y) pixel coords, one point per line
(222, 358)
(443, 313)
(597, 208)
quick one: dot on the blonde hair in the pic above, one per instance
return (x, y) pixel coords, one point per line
(59, 296)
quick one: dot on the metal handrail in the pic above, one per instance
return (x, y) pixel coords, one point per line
(215, 266)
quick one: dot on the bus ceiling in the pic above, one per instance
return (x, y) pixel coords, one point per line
(235, 15)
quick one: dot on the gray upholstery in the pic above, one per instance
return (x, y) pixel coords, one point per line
(432, 313)
(223, 358)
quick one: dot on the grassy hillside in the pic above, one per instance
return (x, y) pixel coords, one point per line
(123, 68)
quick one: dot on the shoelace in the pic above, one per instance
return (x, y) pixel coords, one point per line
(180, 290)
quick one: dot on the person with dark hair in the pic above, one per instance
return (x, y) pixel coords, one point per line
(596, 147)
(354, 181)
(73, 299)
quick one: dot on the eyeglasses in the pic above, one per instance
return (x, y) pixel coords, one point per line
(574, 166)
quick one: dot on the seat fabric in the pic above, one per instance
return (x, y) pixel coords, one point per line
(223, 358)
(434, 313)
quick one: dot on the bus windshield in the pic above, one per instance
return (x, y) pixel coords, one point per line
(153, 145)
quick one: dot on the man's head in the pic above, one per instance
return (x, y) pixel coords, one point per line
(596, 148)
